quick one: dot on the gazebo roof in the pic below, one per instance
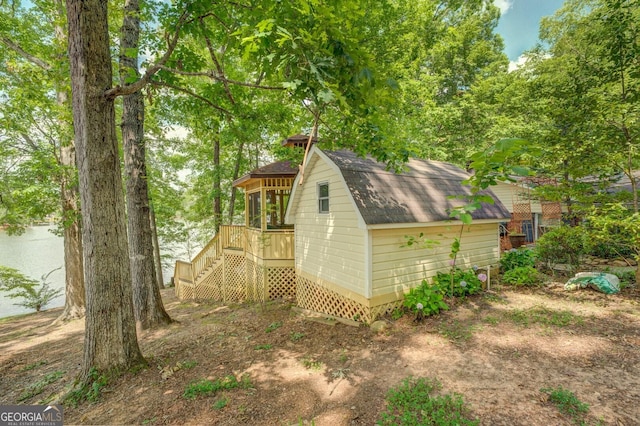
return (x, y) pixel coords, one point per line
(279, 169)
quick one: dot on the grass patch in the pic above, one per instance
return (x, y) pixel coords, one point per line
(220, 403)
(38, 387)
(34, 365)
(489, 319)
(296, 336)
(206, 387)
(312, 364)
(567, 402)
(414, 402)
(544, 316)
(456, 331)
(264, 347)
(187, 365)
(273, 326)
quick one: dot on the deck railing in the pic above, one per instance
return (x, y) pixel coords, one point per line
(227, 236)
(182, 272)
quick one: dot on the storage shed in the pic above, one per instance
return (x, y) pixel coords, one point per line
(352, 217)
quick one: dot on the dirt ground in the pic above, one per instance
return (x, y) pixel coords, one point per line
(497, 349)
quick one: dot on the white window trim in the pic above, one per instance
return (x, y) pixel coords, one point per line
(320, 199)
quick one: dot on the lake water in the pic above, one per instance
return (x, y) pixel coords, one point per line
(34, 254)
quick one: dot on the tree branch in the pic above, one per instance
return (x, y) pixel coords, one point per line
(29, 57)
(221, 78)
(146, 78)
(214, 58)
(195, 95)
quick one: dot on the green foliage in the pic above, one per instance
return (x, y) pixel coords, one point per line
(34, 365)
(273, 326)
(89, 391)
(517, 258)
(38, 387)
(312, 364)
(567, 402)
(564, 244)
(296, 336)
(615, 227)
(414, 402)
(419, 241)
(206, 387)
(220, 403)
(522, 276)
(464, 282)
(35, 295)
(397, 314)
(264, 347)
(425, 300)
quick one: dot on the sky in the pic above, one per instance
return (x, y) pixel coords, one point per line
(520, 22)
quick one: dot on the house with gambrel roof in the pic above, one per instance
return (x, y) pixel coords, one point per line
(351, 218)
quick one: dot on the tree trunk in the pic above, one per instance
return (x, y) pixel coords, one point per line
(217, 191)
(110, 333)
(156, 246)
(74, 303)
(147, 300)
(236, 173)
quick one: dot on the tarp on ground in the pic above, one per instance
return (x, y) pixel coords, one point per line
(600, 281)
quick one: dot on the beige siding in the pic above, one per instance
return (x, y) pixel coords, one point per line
(396, 268)
(329, 246)
(506, 192)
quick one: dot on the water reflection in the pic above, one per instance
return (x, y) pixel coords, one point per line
(34, 253)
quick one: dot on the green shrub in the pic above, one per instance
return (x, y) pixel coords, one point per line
(564, 244)
(425, 299)
(515, 258)
(464, 282)
(522, 276)
(413, 403)
(614, 231)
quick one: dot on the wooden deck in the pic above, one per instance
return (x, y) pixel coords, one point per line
(248, 260)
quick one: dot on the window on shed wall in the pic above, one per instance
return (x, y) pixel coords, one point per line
(323, 197)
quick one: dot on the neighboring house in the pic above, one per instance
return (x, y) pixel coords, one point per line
(345, 255)
(352, 217)
(528, 215)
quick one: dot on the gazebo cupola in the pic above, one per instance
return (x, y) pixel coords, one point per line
(266, 193)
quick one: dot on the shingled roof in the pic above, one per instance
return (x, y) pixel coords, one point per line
(273, 170)
(421, 194)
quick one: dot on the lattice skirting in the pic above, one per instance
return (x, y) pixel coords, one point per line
(184, 291)
(234, 288)
(281, 282)
(255, 281)
(314, 297)
(211, 286)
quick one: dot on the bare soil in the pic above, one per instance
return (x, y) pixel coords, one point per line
(497, 349)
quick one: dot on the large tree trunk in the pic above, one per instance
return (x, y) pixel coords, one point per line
(147, 300)
(110, 333)
(74, 303)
